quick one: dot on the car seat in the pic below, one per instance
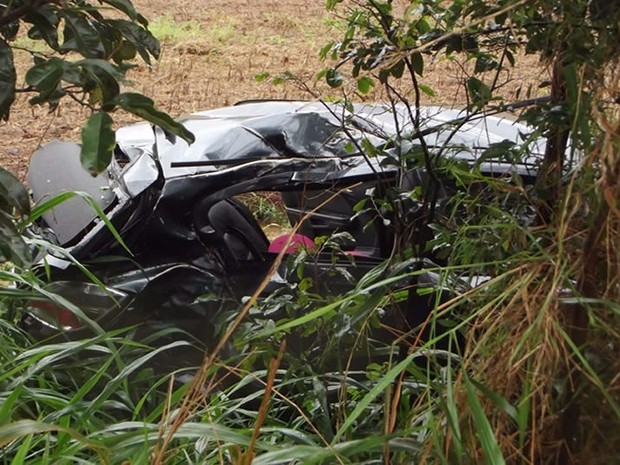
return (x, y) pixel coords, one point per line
(236, 231)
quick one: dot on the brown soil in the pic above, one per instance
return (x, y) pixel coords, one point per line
(238, 39)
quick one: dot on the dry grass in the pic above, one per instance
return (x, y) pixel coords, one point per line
(543, 350)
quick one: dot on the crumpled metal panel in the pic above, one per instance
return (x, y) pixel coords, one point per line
(139, 175)
(255, 144)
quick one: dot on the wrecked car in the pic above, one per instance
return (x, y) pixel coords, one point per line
(184, 231)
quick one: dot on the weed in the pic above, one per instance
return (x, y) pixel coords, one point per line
(267, 207)
(167, 29)
(222, 33)
(30, 45)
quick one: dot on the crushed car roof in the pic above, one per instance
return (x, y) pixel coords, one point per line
(275, 129)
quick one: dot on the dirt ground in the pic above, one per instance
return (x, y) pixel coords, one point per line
(212, 51)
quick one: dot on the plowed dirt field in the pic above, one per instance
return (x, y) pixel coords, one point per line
(212, 51)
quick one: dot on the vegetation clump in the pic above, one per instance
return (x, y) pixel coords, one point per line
(519, 367)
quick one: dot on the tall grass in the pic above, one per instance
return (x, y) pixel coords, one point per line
(353, 386)
(485, 378)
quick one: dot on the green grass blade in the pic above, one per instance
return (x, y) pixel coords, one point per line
(19, 429)
(490, 448)
(377, 389)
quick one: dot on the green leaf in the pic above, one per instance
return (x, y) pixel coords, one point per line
(485, 62)
(126, 51)
(349, 147)
(311, 454)
(498, 400)
(364, 84)
(127, 7)
(46, 76)
(423, 26)
(334, 78)
(9, 405)
(510, 57)
(52, 98)
(113, 384)
(503, 151)
(44, 22)
(100, 66)
(80, 35)
(98, 142)
(479, 93)
(369, 148)
(281, 78)
(398, 69)
(144, 107)
(384, 75)
(12, 245)
(417, 63)
(43, 207)
(461, 43)
(145, 43)
(327, 48)
(73, 74)
(377, 389)
(427, 90)
(331, 4)
(261, 77)
(452, 417)
(7, 79)
(103, 79)
(13, 193)
(490, 448)
(9, 31)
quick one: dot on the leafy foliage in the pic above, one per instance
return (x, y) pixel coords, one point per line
(107, 46)
(534, 266)
(508, 228)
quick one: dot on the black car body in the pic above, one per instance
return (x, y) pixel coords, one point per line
(174, 204)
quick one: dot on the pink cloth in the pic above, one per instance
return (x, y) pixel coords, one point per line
(297, 242)
(355, 253)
